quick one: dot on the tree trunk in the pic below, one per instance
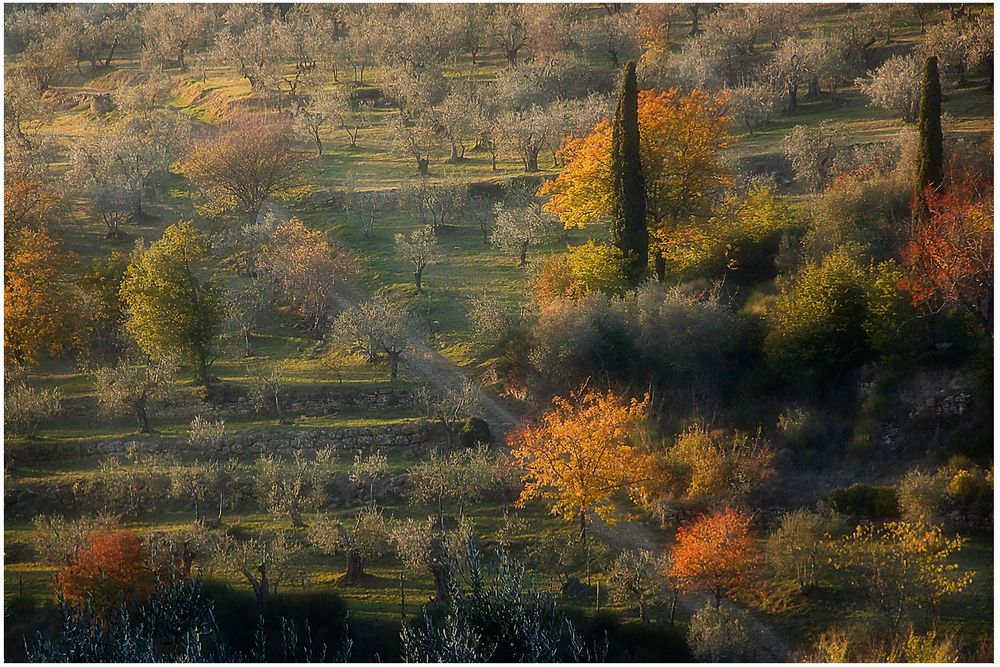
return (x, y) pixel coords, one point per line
(453, 157)
(111, 54)
(418, 279)
(142, 419)
(137, 212)
(393, 366)
(661, 266)
(203, 379)
(792, 97)
(440, 573)
(423, 166)
(511, 56)
(319, 144)
(296, 517)
(277, 406)
(180, 59)
(643, 611)
(355, 568)
(813, 87)
(524, 254)
(531, 161)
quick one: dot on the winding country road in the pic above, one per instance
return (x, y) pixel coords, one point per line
(436, 370)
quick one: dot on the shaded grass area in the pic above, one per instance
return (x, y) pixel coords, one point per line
(802, 618)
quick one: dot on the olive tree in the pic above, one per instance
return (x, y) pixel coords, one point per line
(519, 228)
(290, 488)
(373, 327)
(25, 407)
(636, 577)
(797, 550)
(263, 562)
(361, 540)
(419, 249)
(131, 386)
(895, 86)
(367, 470)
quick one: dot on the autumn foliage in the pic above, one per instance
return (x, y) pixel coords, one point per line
(681, 136)
(714, 554)
(27, 203)
(41, 313)
(113, 568)
(305, 265)
(252, 159)
(578, 454)
(950, 253)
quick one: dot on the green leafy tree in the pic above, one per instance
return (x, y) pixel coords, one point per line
(172, 309)
(628, 206)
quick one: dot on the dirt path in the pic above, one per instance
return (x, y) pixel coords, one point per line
(767, 645)
(437, 371)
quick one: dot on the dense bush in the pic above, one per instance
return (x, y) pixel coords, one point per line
(474, 431)
(685, 341)
(859, 210)
(494, 613)
(833, 315)
(866, 501)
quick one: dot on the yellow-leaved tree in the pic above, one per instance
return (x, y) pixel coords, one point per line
(681, 138)
(900, 567)
(579, 454)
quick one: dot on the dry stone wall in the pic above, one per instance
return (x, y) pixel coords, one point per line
(282, 440)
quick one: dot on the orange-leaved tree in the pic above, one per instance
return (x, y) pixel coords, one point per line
(681, 139)
(950, 253)
(41, 304)
(27, 203)
(579, 454)
(113, 568)
(714, 554)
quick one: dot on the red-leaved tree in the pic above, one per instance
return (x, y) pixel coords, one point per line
(714, 554)
(950, 252)
(113, 568)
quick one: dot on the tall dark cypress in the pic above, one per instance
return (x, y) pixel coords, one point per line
(628, 208)
(930, 153)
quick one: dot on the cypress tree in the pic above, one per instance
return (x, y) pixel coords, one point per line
(628, 208)
(930, 153)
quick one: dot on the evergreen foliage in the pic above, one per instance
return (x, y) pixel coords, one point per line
(628, 207)
(930, 156)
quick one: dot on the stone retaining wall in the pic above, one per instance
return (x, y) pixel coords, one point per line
(283, 440)
(313, 401)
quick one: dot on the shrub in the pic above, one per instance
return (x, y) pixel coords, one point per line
(832, 315)
(922, 497)
(474, 431)
(801, 429)
(25, 407)
(858, 210)
(866, 501)
(719, 634)
(597, 267)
